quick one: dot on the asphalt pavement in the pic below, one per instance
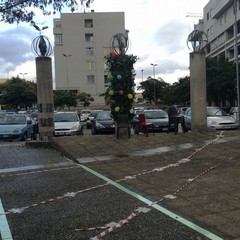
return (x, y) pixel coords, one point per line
(163, 186)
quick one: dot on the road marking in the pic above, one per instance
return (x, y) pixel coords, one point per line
(156, 206)
(4, 227)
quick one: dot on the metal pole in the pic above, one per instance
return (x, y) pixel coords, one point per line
(236, 60)
(23, 75)
(154, 83)
(67, 56)
(142, 75)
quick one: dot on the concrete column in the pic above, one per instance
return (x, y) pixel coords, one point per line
(45, 97)
(198, 91)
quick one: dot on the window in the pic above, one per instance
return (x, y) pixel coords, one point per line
(89, 37)
(58, 38)
(88, 23)
(90, 79)
(208, 16)
(89, 51)
(90, 65)
(57, 24)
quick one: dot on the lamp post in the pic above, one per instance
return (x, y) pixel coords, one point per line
(23, 75)
(154, 83)
(142, 75)
(67, 56)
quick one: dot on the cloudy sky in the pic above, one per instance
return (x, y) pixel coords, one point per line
(158, 31)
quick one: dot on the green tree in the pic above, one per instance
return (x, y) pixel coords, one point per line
(85, 99)
(24, 10)
(178, 92)
(148, 86)
(221, 82)
(17, 93)
(64, 98)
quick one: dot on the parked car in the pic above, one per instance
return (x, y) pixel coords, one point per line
(158, 117)
(234, 112)
(67, 123)
(103, 123)
(17, 127)
(84, 114)
(90, 118)
(217, 119)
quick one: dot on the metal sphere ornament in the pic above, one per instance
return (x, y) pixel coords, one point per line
(42, 46)
(198, 40)
(120, 43)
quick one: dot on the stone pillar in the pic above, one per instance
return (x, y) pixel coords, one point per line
(198, 91)
(45, 98)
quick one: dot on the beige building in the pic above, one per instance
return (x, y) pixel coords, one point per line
(219, 25)
(82, 40)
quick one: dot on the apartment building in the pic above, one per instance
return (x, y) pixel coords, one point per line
(219, 21)
(82, 40)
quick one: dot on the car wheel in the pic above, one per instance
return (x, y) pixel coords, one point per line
(24, 138)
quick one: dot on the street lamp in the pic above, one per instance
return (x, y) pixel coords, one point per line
(142, 75)
(23, 75)
(154, 83)
(67, 56)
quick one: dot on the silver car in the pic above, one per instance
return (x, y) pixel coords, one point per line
(217, 119)
(67, 123)
(158, 117)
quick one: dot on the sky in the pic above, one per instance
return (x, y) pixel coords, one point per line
(158, 32)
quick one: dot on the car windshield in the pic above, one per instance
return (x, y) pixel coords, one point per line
(13, 120)
(215, 112)
(104, 116)
(66, 117)
(155, 114)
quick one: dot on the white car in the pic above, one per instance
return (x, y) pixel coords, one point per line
(217, 119)
(84, 114)
(67, 123)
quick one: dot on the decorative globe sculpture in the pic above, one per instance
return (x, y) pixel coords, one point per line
(42, 46)
(120, 43)
(198, 40)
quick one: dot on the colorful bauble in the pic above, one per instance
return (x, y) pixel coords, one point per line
(121, 92)
(113, 102)
(117, 109)
(110, 76)
(119, 77)
(113, 54)
(130, 96)
(109, 84)
(111, 92)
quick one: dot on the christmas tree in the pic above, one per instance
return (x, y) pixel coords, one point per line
(120, 93)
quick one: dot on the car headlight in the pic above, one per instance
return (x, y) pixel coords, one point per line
(213, 123)
(17, 130)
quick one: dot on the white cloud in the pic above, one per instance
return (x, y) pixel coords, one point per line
(158, 33)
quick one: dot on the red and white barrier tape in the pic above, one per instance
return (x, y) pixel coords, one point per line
(73, 194)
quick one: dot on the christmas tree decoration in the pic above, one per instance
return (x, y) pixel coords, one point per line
(120, 95)
(111, 92)
(130, 96)
(119, 77)
(121, 92)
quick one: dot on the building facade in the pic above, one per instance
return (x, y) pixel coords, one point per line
(81, 42)
(222, 26)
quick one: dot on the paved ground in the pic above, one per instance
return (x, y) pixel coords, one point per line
(187, 185)
(193, 175)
